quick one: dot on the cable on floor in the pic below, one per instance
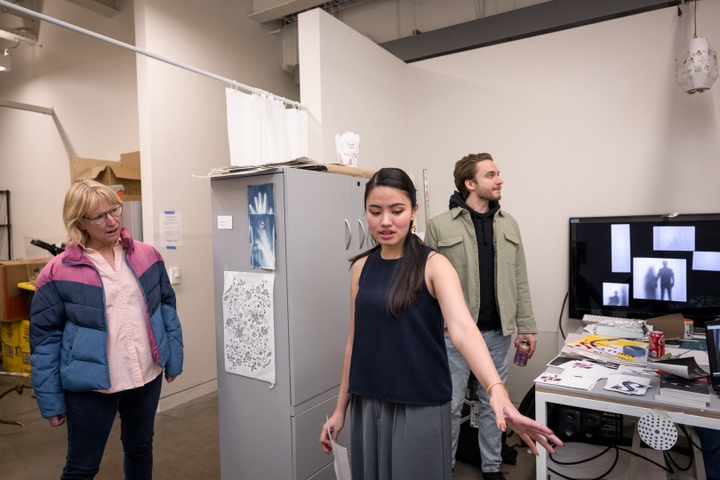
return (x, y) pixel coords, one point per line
(669, 459)
(612, 467)
(666, 454)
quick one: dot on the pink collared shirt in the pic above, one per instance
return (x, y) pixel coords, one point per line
(129, 356)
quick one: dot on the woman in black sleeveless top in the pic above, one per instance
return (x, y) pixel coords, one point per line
(395, 373)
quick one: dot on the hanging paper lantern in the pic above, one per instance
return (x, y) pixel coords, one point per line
(697, 69)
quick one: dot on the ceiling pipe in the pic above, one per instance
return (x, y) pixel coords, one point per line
(26, 106)
(146, 53)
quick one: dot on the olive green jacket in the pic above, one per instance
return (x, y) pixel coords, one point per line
(453, 235)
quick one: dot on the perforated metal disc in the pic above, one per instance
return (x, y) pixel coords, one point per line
(657, 430)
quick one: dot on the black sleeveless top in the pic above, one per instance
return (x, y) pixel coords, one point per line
(397, 359)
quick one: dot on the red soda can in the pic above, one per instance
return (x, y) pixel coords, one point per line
(656, 345)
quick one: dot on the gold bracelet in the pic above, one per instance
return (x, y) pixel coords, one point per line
(499, 382)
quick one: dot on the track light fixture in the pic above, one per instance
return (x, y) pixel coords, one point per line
(5, 63)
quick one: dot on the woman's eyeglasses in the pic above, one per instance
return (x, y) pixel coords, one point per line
(101, 218)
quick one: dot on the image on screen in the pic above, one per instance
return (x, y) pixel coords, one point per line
(674, 239)
(660, 279)
(615, 294)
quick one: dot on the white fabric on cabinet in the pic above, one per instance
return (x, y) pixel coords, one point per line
(262, 130)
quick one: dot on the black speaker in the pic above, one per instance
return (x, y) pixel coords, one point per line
(569, 425)
(573, 424)
(591, 426)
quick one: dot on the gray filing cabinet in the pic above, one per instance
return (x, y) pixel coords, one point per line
(272, 433)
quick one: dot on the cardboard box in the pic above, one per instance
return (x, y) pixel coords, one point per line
(16, 333)
(10, 333)
(126, 172)
(13, 305)
(15, 360)
(16, 346)
(25, 362)
(11, 361)
(25, 336)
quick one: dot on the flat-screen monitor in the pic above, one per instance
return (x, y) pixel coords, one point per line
(645, 266)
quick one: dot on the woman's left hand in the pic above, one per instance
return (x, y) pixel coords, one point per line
(170, 379)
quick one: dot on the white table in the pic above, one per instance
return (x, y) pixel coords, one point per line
(613, 402)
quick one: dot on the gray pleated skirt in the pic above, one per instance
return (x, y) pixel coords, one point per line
(390, 441)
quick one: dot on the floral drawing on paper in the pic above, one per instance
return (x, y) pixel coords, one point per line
(248, 325)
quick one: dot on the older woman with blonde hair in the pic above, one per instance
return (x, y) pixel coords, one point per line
(103, 330)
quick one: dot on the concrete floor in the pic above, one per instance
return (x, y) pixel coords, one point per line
(186, 443)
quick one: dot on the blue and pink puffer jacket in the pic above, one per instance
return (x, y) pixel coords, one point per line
(68, 327)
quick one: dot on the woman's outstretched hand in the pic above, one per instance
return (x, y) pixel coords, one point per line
(531, 431)
(528, 429)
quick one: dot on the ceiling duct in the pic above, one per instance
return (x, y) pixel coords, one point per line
(103, 7)
(329, 7)
(19, 29)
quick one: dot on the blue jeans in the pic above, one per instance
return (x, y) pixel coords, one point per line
(90, 417)
(489, 435)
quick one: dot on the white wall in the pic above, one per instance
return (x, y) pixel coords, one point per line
(582, 122)
(183, 133)
(92, 88)
(110, 101)
(350, 85)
